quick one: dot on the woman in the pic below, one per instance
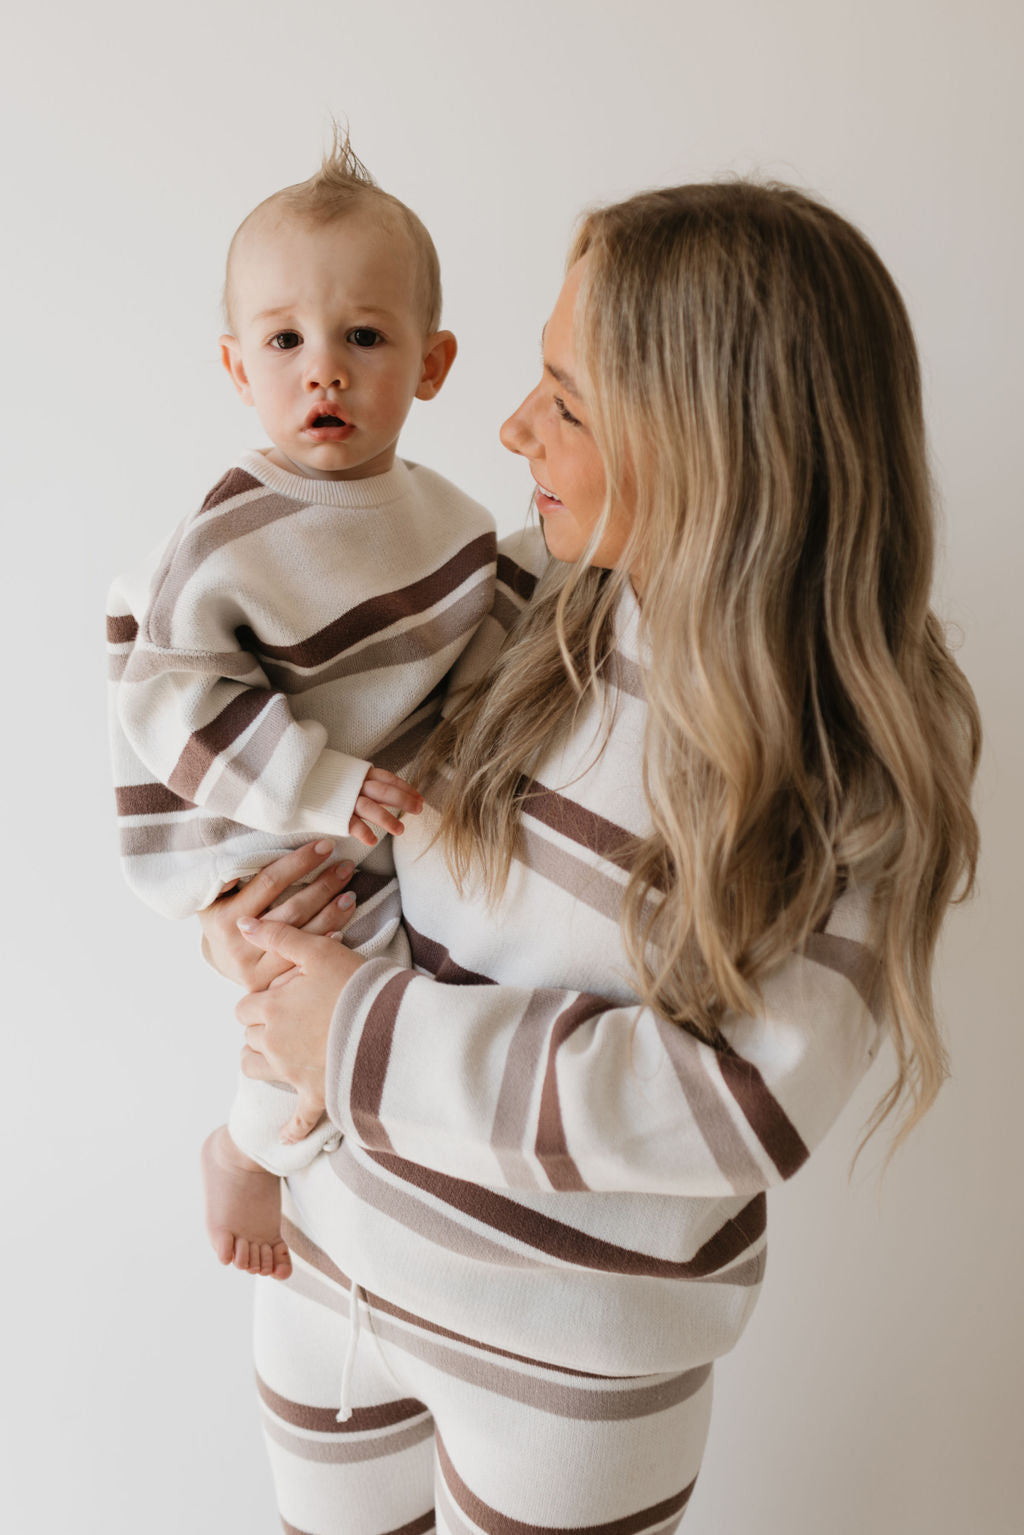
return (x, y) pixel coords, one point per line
(720, 767)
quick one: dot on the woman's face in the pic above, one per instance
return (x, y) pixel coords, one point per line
(550, 431)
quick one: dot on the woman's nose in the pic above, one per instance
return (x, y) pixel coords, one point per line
(516, 433)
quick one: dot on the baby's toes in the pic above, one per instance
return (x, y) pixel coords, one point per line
(282, 1261)
(242, 1253)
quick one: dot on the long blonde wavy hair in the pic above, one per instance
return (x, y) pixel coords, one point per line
(750, 374)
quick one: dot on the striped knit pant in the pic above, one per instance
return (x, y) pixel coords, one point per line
(451, 1435)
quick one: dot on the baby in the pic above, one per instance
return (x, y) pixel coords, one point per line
(284, 652)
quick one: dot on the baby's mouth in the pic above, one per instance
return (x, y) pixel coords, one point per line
(328, 421)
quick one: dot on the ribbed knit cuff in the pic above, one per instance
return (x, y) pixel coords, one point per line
(329, 794)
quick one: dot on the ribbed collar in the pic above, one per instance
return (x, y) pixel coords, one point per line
(376, 490)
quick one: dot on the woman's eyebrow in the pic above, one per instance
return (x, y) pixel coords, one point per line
(558, 374)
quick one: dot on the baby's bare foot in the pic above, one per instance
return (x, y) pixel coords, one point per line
(243, 1209)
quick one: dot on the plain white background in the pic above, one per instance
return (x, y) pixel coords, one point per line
(878, 1387)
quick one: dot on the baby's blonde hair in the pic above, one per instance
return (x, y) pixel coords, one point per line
(749, 367)
(341, 185)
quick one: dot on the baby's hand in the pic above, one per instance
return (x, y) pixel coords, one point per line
(382, 793)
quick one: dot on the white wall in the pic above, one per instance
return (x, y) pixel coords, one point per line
(878, 1388)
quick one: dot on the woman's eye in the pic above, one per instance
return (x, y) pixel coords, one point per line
(363, 335)
(565, 413)
(285, 340)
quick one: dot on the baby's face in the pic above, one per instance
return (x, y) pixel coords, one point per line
(329, 344)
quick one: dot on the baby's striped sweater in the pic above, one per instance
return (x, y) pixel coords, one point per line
(530, 1158)
(292, 632)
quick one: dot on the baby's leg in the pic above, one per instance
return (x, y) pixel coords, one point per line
(243, 1209)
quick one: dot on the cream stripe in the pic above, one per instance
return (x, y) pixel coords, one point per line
(580, 879)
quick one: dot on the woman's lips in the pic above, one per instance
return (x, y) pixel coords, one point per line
(546, 500)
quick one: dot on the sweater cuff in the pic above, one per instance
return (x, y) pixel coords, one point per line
(353, 1084)
(329, 794)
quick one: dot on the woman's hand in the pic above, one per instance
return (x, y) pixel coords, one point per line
(317, 908)
(286, 1026)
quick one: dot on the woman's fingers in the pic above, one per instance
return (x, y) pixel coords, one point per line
(265, 887)
(334, 917)
(308, 900)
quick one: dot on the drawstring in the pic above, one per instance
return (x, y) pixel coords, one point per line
(345, 1395)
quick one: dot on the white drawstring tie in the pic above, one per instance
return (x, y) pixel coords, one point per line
(345, 1395)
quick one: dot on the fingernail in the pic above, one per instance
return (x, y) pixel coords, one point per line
(246, 924)
(348, 899)
(323, 846)
(345, 867)
(339, 936)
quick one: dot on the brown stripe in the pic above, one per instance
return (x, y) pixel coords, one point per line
(424, 640)
(768, 1120)
(518, 580)
(861, 967)
(178, 836)
(504, 611)
(121, 628)
(551, 1146)
(434, 958)
(626, 675)
(236, 482)
(249, 761)
(711, 1117)
(583, 826)
(495, 1523)
(324, 1420)
(582, 881)
(149, 799)
(378, 921)
(371, 1064)
(348, 1450)
(568, 1244)
(420, 1526)
(377, 613)
(204, 745)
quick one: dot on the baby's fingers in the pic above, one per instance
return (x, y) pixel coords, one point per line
(372, 813)
(386, 788)
(303, 1122)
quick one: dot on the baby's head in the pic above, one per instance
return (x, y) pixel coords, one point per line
(333, 299)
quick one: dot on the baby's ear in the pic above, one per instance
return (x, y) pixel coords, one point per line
(231, 357)
(437, 360)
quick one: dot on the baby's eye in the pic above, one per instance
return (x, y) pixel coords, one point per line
(565, 413)
(364, 335)
(285, 340)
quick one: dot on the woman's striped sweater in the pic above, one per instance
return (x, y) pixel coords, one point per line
(529, 1157)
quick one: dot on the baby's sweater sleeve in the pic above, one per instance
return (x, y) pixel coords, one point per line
(197, 722)
(509, 1086)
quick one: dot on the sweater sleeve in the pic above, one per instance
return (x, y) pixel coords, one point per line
(198, 710)
(508, 1086)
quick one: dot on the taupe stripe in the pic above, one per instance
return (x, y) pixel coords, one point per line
(721, 1136)
(626, 675)
(249, 762)
(236, 482)
(178, 836)
(371, 1063)
(433, 957)
(324, 1420)
(521, 582)
(855, 961)
(121, 628)
(508, 1130)
(370, 922)
(142, 665)
(149, 799)
(417, 642)
(551, 1146)
(768, 1120)
(568, 1244)
(492, 1522)
(377, 613)
(580, 825)
(589, 885)
(199, 542)
(205, 745)
(606, 1399)
(334, 1452)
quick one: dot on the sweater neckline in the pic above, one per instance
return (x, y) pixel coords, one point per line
(375, 490)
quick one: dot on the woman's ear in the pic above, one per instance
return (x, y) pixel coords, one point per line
(231, 357)
(437, 360)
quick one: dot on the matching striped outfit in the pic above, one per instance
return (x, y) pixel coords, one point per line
(546, 1215)
(292, 632)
